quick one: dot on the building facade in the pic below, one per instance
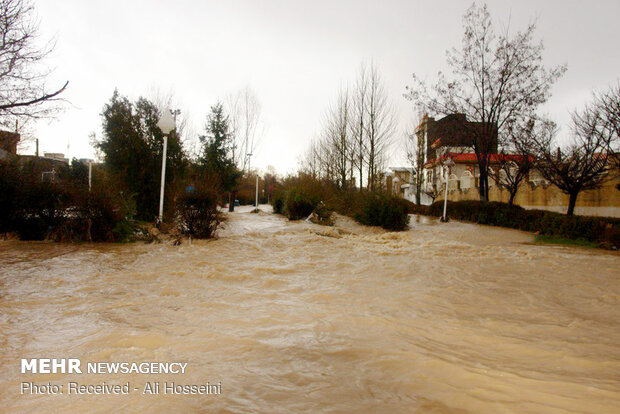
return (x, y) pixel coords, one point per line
(452, 137)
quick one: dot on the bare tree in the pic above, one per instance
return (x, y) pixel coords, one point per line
(515, 160)
(244, 110)
(380, 125)
(433, 192)
(495, 80)
(23, 89)
(416, 154)
(356, 134)
(609, 104)
(582, 165)
(337, 140)
(166, 100)
(310, 163)
(358, 119)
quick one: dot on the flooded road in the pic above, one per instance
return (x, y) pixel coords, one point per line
(295, 317)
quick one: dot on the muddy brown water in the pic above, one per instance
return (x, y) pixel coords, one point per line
(294, 317)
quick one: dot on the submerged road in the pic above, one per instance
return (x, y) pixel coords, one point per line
(294, 317)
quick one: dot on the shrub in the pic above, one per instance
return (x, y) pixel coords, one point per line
(322, 215)
(412, 208)
(31, 228)
(298, 205)
(277, 201)
(9, 184)
(299, 196)
(60, 208)
(383, 210)
(198, 213)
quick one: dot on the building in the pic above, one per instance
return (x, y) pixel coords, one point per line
(400, 181)
(453, 137)
(56, 156)
(465, 172)
(453, 133)
(8, 144)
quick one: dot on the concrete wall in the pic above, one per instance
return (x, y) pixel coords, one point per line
(604, 201)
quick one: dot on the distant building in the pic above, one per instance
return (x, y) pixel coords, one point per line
(452, 133)
(8, 144)
(57, 156)
(452, 137)
(399, 181)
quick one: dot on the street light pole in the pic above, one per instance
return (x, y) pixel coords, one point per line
(163, 180)
(166, 123)
(256, 211)
(446, 164)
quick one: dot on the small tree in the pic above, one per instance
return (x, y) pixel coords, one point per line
(515, 160)
(585, 163)
(433, 192)
(216, 156)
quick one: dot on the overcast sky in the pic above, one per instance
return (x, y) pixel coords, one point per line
(294, 55)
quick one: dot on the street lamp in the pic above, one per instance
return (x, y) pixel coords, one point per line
(447, 164)
(249, 155)
(167, 124)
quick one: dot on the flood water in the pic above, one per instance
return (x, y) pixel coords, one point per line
(295, 317)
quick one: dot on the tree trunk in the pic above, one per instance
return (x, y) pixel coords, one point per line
(483, 186)
(572, 200)
(486, 190)
(361, 175)
(513, 194)
(231, 201)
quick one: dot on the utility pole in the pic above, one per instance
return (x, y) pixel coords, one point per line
(256, 210)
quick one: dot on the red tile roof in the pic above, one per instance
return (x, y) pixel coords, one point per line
(470, 157)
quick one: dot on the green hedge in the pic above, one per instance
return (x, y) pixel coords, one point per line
(299, 205)
(383, 210)
(602, 230)
(60, 209)
(372, 209)
(198, 213)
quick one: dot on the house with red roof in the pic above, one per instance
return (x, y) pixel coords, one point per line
(453, 137)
